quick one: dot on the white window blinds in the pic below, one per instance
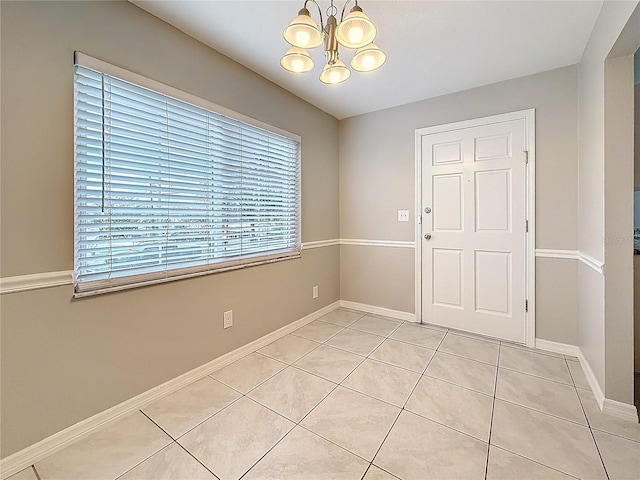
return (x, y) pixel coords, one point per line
(167, 188)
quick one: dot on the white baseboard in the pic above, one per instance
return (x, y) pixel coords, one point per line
(385, 312)
(28, 456)
(555, 347)
(620, 410)
(575, 351)
(606, 405)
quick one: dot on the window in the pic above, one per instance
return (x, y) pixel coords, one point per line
(169, 186)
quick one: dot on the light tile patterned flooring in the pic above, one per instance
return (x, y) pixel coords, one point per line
(355, 396)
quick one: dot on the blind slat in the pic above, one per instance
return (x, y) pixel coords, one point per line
(165, 188)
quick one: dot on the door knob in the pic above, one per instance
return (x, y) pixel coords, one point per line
(427, 236)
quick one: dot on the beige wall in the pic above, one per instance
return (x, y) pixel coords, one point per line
(606, 185)
(379, 276)
(64, 360)
(618, 253)
(377, 177)
(636, 258)
(591, 208)
(636, 135)
(557, 300)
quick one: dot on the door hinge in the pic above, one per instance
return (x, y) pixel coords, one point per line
(526, 305)
(526, 226)
(419, 219)
(526, 156)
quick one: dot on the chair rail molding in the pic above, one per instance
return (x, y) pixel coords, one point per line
(35, 281)
(585, 258)
(378, 243)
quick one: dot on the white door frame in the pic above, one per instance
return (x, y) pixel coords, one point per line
(530, 145)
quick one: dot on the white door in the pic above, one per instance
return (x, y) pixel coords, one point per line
(474, 229)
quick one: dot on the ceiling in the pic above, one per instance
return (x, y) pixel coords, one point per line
(433, 47)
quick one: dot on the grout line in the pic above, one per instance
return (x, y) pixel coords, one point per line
(295, 424)
(298, 424)
(35, 472)
(535, 461)
(540, 377)
(267, 452)
(257, 384)
(468, 358)
(200, 423)
(511, 402)
(584, 411)
(614, 434)
(493, 409)
(157, 425)
(387, 436)
(442, 340)
(421, 345)
(385, 471)
(366, 471)
(573, 380)
(524, 348)
(448, 427)
(314, 340)
(457, 385)
(474, 336)
(392, 364)
(402, 409)
(148, 457)
(387, 362)
(370, 396)
(599, 454)
(196, 459)
(362, 359)
(333, 443)
(429, 362)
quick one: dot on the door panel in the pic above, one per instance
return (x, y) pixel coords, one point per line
(444, 153)
(447, 268)
(493, 200)
(474, 262)
(447, 202)
(493, 282)
(492, 147)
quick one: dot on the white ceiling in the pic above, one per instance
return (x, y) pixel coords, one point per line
(433, 47)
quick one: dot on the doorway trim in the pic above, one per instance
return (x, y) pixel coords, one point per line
(530, 145)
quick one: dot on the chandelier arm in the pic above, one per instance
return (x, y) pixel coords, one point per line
(345, 7)
(319, 11)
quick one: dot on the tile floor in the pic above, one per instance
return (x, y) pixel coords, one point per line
(355, 396)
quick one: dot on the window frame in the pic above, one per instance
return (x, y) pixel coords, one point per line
(85, 287)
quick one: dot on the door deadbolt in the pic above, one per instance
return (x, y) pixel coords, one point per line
(427, 236)
(427, 210)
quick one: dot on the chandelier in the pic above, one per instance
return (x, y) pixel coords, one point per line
(355, 31)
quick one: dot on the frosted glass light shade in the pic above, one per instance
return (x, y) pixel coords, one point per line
(356, 30)
(336, 73)
(303, 32)
(297, 60)
(368, 58)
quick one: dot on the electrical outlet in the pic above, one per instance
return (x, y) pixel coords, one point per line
(227, 319)
(315, 292)
(403, 215)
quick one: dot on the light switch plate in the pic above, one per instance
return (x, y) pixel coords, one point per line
(403, 215)
(227, 319)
